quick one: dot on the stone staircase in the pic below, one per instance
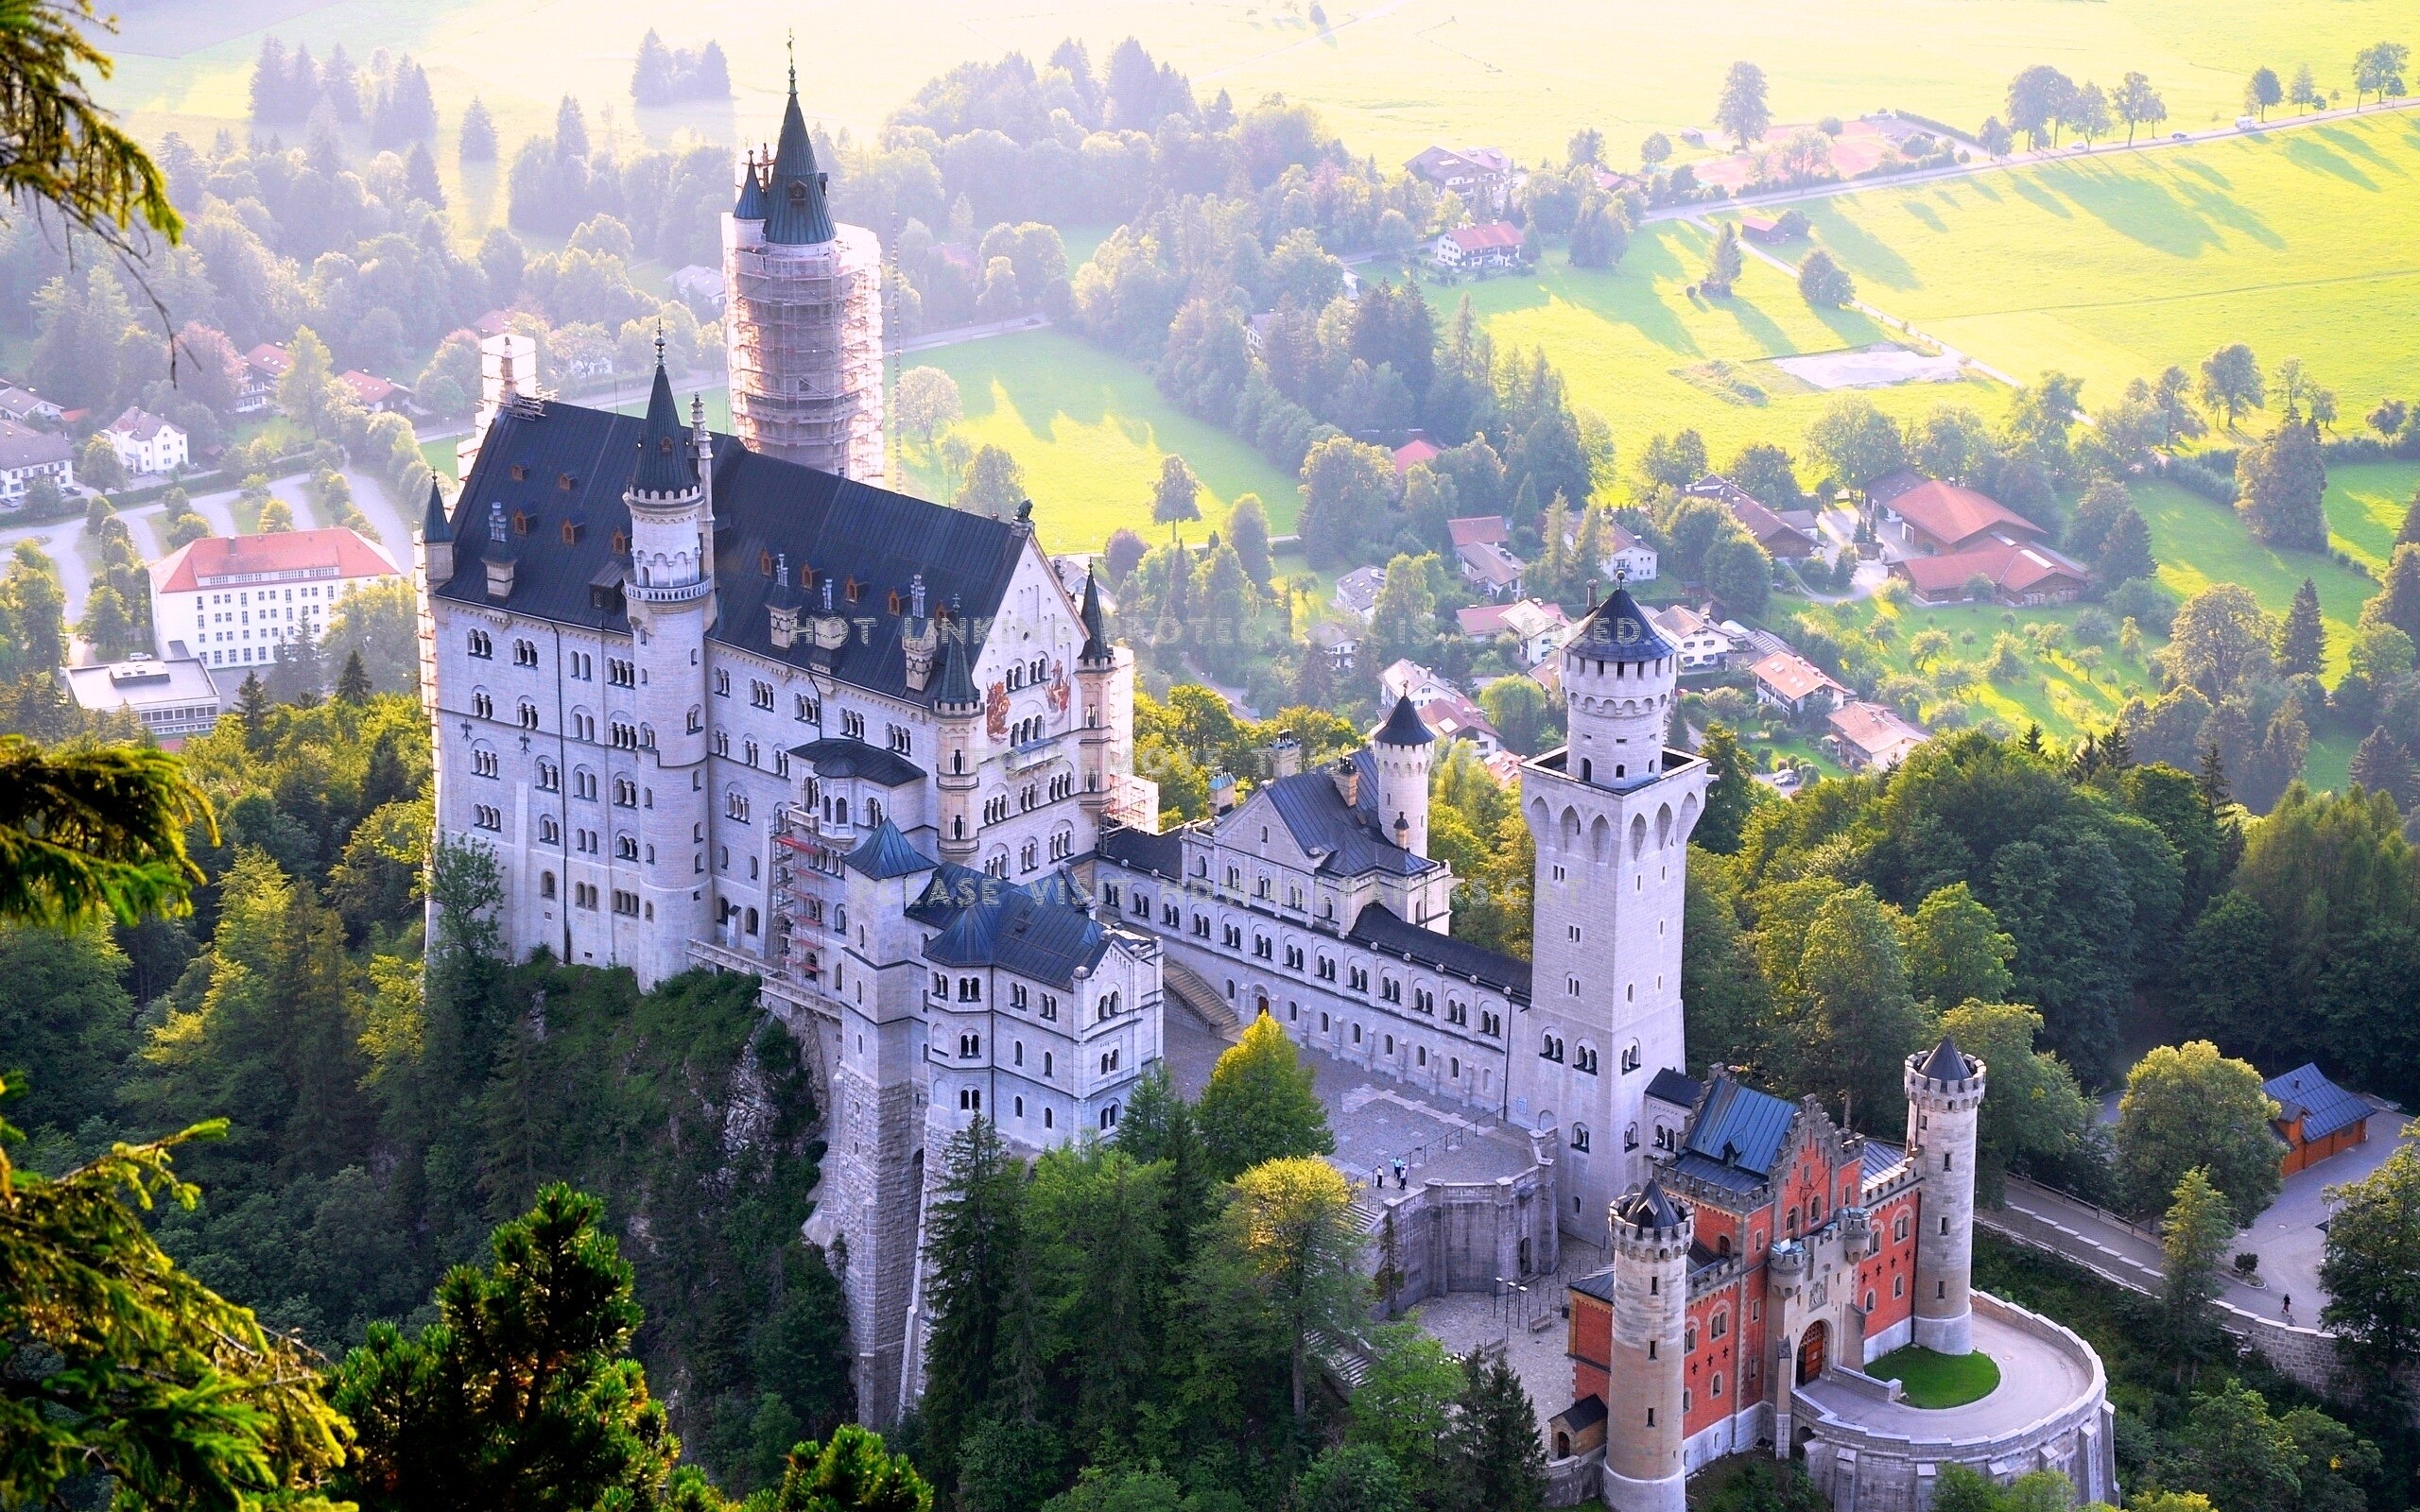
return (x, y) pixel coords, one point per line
(1189, 988)
(1344, 1357)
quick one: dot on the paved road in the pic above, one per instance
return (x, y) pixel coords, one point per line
(956, 333)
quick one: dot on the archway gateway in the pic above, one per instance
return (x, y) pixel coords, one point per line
(1811, 1352)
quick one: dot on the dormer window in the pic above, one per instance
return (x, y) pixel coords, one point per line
(564, 481)
(621, 544)
(571, 532)
(663, 444)
(520, 471)
(849, 590)
(764, 564)
(891, 605)
(520, 521)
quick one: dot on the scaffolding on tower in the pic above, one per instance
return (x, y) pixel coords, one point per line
(805, 352)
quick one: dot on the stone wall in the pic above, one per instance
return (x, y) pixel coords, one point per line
(1462, 1236)
(1863, 1469)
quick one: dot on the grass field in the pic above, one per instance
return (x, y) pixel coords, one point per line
(1932, 1380)
(1090, 430)
(1390, 75)
(1638, 349)
(2299, 242)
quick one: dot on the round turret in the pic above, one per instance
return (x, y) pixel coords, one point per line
(1617, 683)
(1944, 1099)
(1400, 750)
(1644, 1433)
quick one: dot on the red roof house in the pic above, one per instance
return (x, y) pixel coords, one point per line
(1412, 453)
(1940, 517)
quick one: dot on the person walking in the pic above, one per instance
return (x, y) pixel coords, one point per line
(2287, 1306)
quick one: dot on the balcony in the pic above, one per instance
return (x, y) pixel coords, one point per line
(1032, 753)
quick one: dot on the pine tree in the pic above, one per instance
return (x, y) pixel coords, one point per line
(2381, 764)
(2410, 534)
(1731, 793)
(1723, 263)
(479, 134)
(2283, 481)
(253, 702)
(2126, 550)
(2397, 600)
(974, 1246)
(353, 684)
(2302, 640)
(1495, 1460)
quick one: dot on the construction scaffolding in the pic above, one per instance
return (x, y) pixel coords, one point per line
(804, 338)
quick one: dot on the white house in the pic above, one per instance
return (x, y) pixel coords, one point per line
(1470, 248)
(1702, 645)
(26, 408)
(1536, 626)
(1356, 592)
(147, 444)
(27, 454)
(1627, 555)
(233, 598)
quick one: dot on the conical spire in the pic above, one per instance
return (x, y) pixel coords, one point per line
(1618, 630)
(1650, 1208)
(664, 464)
(1095, 639)
(752, 193)
(955, 687)
(434, 525)
(1404, 726)
(795, 213)
(1946, 1063)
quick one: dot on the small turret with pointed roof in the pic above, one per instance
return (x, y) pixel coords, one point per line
(1096, 652)
(1400, 752)
(1404, 726)
(795, 211)
(667, 464)
(1651, 1209)
(1618, 630)
(436, 539)
(1946, 1063)
(752, 193)
(954, 690)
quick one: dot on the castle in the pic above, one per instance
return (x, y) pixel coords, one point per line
(724, 702)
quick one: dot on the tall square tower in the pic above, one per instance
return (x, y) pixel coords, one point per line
(1611, 812)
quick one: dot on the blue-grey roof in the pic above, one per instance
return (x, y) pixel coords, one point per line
(1096, 637)
(434, 526)
(1739, 1129)
(1671, 1087)
(1403, 726)
(1650, 1208)
(1355, 838)
(2323, 1107)
(751, 205)
(1380, 929)
(1040, 931)
(1877, 1158)
(1618, 630)
(1600, 1286)
(1142, 851)
(887, 853)
(1946, 1063)
(955, 687)
(838, 757)
(576, 460)
(795, 211)
(664, 463)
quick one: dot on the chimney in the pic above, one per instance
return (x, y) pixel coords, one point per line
(783, 606)
(1284, 757)
(1222, 794)
(1348, 781)
(917, 640)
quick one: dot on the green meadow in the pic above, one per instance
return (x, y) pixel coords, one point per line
(1637, 347)
(1090, 431)
(2300, 243)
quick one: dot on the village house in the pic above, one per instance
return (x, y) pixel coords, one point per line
(26, 408)
(1792, 535)
(2315, 1117)
(1491, 569)
(1537, 627)
(1484, 177)
(1446, 712)
(145, 444)
(1338, 643)
(1868, 738)
(1701, 644)
(1417, 451)
(1938, 519)
(27, 454)
(1478, 248)
(698, 286)
(372, 392)
(262, 367)
(1356, 592)
(237, 598)
(1790, 682)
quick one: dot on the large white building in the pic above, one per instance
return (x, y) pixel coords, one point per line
(145, 444)
(233, 599)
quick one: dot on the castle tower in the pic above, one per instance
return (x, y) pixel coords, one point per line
(1610, 814)
(878, 1159)
(1105, 693)
(803, 315)
(671, 597)
(1944, 1093)
(1644, 1433)
(1400, 749)
(958, 709)
(432, 568)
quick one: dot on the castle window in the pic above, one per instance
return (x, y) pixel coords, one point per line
(1584, 1058)
(891, 605)
(1580, 1136)
(483, 706)
(1689, 1339)
(764, 564)
(1720, 1323)
(481, 647)
(722, 683)
(546, 886)
(1630, 1137)
(528, 714)
(1631, 1057)
(849, 590)
(565, 482)
(525, 653)
(626, 848)
(1490, 1025)
(1715, 1387)
(487, 817)
(549, 832)
(571, 532)
(1900, 1230)
(1360, 978)
(970, 1100)
(483, 763)
(1898, 1287)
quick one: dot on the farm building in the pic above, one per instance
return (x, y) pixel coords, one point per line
(2315, 1117)
(1478, 248)
(1792, 535)
(2006, 571)
(1482, 176)
(1940, 518)
(1413, 453)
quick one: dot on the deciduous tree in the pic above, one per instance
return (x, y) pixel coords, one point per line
(1740, 109)
(1259, 1105)
(2187, 1107)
